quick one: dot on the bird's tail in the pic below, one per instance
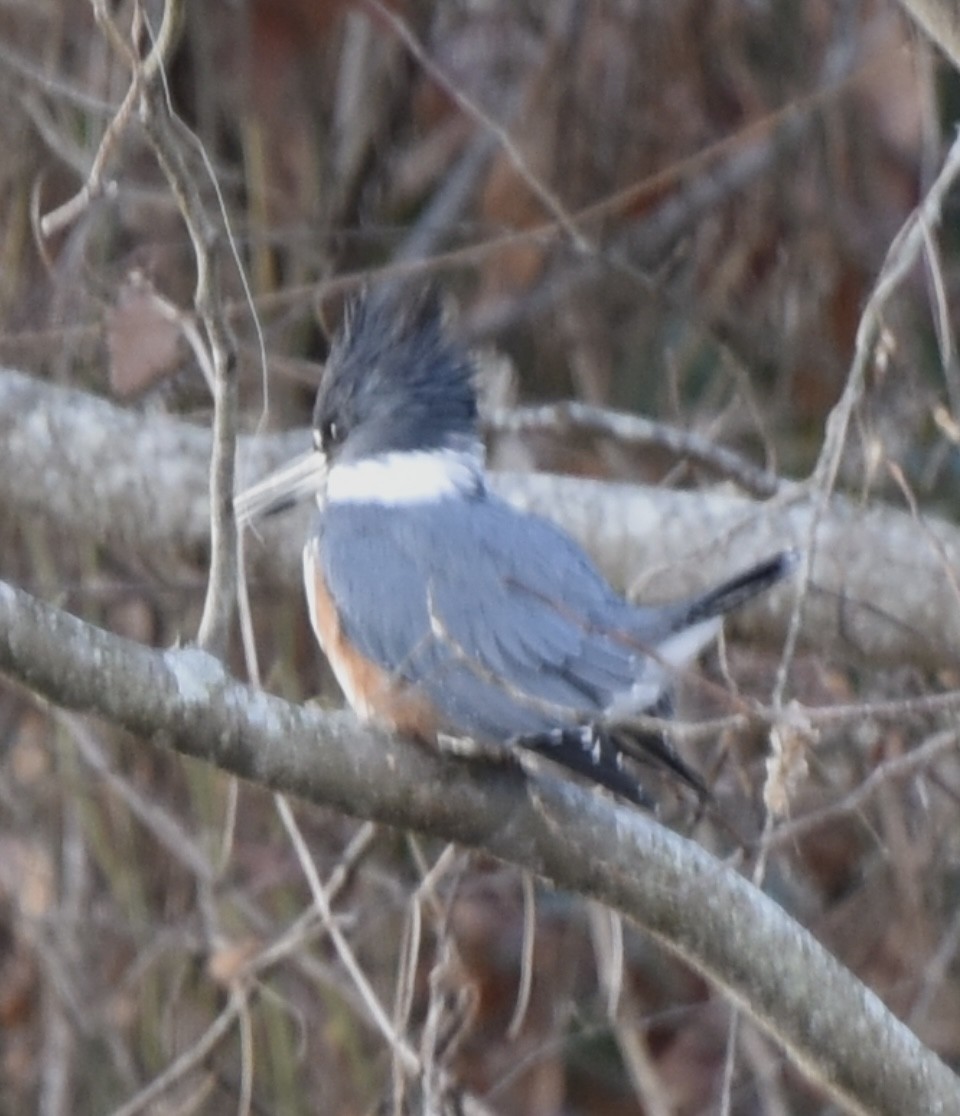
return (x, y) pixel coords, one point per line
(737, 591)
(608, 754)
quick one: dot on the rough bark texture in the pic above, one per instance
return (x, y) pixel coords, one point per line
(836, 1029)
(884, 583)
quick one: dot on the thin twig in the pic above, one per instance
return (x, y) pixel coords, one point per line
(216, 620)
(560, 418)
(936, 972)
(901, 257)
(899, 768)
(148, 94)
(474, 112)
(159, 122)
(403, 996)
(648, 1086)
(159, 823)
(402, 1050)
(95, 186)
(188, 1060)
(526, 956)
(246, 1053)
(767, 1070)
(306, 929)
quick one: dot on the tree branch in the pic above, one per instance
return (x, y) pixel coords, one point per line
(940, 19)
(136, 484)
(835, 1028)
(636, 430)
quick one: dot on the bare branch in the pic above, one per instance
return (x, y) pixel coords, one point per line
(941, 21)
(637, 430)
(901, 767)
(401, 1050)
(902, 255)
(141, 77)
(160, 125)
(137, 485)
(837, 1030)
(193, 1056)
(148, 94)
(65, 214)
(474, 112)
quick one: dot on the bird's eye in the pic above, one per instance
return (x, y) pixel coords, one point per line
(326, 434)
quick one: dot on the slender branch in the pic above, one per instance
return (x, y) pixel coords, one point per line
(192, 1057)
(65, 214)
(835, 1028)
(940, 19)
(901, 767)
(637, 430)
(165, 40)
(148, 93)
(902, 255)
(400, 1049)
(483, 120)
(141, 77)
(777, 129)
(159, 124)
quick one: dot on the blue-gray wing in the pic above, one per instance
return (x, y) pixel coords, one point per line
(498, 617)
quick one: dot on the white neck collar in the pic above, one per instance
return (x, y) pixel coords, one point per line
(406, 477)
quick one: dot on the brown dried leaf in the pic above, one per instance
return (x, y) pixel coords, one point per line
(143, 338)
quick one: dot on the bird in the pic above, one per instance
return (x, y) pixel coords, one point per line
(447, 614)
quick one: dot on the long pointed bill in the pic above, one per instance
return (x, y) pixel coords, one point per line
(303, 477)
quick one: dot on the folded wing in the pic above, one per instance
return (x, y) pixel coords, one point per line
(502, 621)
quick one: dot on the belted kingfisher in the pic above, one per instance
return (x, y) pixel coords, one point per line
(445, 611)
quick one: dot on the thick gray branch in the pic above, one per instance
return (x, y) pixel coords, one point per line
(885, 586)
(704, 912)
(941, 21)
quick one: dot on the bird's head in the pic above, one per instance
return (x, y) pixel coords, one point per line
(395, 419)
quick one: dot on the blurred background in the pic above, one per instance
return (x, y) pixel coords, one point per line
(685, 222)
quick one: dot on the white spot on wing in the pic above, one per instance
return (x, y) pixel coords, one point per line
(684, 646)
(672, 654)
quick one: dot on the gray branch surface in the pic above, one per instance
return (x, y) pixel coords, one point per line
(700, 910)
(885, 585)
(940, 19)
